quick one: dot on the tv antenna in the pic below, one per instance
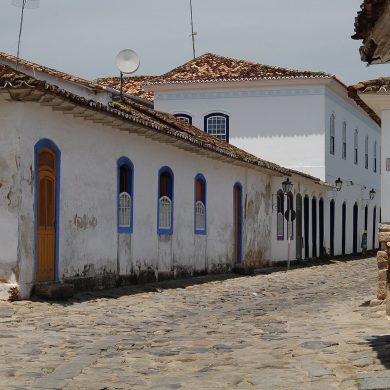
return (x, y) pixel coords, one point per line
(193, 33)
(29, 4)
(127, 61)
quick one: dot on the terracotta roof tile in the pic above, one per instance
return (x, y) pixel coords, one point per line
(211, 68)
(380, 85)
(132, 85)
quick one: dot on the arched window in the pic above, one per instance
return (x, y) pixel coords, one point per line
(184, 117)
(165, 201)
(217, 124)
(200, 204)
(125, 195)
(356, 147)
(344, 151)
(332, 137)
(290, 206)
(280, 215)
(366, 152)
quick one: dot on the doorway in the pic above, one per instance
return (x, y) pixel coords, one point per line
(331, 227)
(237, 194)
(374, 228)
(343, 227)
(46, 210)
(306, 225)
(321, 231)
(298, 240)
(355, 228)
(314, 226)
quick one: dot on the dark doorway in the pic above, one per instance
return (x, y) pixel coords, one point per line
(314, 226)
(331, 227)
(365, 218)
(299, 226)
(374, 228)
(343, 234)
(237, 223)
(306, 224)
(321, 220)
(355, 228)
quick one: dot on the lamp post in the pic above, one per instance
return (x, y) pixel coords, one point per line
(287, 186)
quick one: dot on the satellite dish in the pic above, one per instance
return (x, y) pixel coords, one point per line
(127, 61)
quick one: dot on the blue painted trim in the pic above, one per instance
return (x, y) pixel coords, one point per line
(199, 176)
(162, 170)
(217, 114)
(240, 94)
(239, 251)
(124, 161)
(46, 143)
(189, 117)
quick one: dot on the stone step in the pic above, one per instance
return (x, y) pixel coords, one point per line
(53, 291)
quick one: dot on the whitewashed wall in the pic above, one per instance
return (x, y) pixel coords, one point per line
(385, 116)
(88, 208)
(290, 125)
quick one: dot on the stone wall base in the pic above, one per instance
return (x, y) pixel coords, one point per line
(383, 260)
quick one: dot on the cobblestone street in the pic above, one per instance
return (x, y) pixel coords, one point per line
(309, 328)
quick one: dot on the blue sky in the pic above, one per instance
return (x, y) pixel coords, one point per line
(82, 37)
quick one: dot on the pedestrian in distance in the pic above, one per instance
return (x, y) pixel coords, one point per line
(364, 243)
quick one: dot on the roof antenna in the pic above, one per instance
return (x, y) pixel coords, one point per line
(127, 61)
(193, 33)
(23, 4)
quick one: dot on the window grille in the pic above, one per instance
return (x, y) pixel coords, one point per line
(124, 209)
(217, 126)
(165, 212)
(184, 117)
(200, 213)
(331, 146)
(344, 151)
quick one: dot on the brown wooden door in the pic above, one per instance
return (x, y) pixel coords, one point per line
(46, 245)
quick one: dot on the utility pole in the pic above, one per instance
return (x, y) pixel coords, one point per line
(192, 31)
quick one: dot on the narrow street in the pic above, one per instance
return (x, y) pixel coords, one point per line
(309, 328)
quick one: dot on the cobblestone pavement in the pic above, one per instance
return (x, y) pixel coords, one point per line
(309, 328)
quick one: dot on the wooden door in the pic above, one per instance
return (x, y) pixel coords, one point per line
(298, 225)
(237, 223)
(46, 210)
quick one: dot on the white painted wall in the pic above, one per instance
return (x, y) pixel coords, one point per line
(288, 122)
(385, 154)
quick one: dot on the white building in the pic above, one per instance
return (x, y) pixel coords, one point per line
(99, 194)
(302, 120)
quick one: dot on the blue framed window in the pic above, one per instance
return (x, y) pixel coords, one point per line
(184, 117)
(125, 195)
(200, 205)
(217, 125)
(165, 201)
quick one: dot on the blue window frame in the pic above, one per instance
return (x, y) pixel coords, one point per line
(184, 117)
(165, 201)
(217, 125)
(125, 197)
(200, 214)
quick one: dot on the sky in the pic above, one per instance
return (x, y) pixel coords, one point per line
(82, 37)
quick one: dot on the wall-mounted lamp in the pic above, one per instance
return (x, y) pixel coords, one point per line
(339, 184)
(287, 186)
(372, 194)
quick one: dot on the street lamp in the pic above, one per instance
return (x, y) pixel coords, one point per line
(287, 186)
(339, 184)
(372, 194)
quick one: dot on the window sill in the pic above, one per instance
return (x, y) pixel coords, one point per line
(200, 232)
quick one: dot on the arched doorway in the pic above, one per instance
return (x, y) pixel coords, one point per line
(306, 225)
(321, 226)
(298, 225)
(47, 160)
(343, 227)
(237, 194)
(331, 226)
(355, 228)
(314, 227)
(374, 228)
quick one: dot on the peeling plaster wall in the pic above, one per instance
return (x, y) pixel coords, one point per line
(89, 244)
